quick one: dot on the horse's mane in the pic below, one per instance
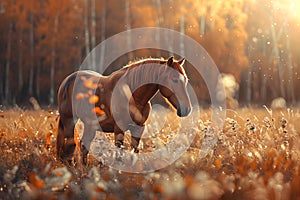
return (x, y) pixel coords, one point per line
(160, 61)
(140, 71)
(143, 61)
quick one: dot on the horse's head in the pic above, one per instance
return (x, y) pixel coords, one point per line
(174, 87)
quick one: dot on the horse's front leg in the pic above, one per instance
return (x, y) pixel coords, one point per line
(119, 136)
(136, 134)
(85, 143)
(138, 129)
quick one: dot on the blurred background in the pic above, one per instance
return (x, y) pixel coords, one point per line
(255, 42)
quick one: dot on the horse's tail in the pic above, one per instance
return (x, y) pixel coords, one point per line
(60, 124)
(59, 138)
(66, 85)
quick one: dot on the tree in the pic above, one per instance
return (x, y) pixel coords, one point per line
(48, 40)
(86, 29)
(128, 27)
(7, 67)
(103, 32)
(93, 32)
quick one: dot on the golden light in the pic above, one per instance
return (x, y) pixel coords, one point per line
(295, 9)
(292, 6)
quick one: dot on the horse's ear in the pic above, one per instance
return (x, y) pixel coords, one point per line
(170, 61)
(181, 62)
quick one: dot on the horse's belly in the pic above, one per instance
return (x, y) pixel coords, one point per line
(107, 126)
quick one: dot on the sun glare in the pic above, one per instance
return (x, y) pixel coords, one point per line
(292, 6)
(295, 9)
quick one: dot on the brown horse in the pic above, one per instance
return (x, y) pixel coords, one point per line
(87, 96)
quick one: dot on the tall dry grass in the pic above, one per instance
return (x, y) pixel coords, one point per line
(256, 157)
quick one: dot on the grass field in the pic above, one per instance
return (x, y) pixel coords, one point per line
(257, 156)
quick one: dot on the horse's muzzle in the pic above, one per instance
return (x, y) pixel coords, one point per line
(183, 111)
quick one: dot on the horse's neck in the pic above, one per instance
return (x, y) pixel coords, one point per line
(142, 80)
(145, 93)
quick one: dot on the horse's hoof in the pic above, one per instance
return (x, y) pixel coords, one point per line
(70, 163)
(119, 158)
(67, 162)
(119, 145)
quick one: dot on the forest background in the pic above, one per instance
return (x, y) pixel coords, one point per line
(42, 41)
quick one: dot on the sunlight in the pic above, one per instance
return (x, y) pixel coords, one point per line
(290, 8)
(295, 8)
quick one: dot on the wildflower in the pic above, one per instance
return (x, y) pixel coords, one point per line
(250, 126)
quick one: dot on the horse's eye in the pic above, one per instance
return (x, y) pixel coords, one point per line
(175, 80)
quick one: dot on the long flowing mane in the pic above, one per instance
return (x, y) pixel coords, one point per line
(147, 70)
(149, 61)
(145, 60)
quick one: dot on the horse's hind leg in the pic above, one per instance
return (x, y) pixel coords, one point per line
(65, 144)
(136, 134)
(85, 143)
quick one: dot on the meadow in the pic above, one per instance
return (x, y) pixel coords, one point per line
(256, 156)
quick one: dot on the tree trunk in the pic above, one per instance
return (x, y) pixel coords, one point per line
(93, 32)
(171, 40)
(79, 57)
(277, 37)
(278, 62)
(37, 81)
(170, 37)
(20, 61)
(128, 28)
(158, 24)
(7, 67)
(263, 91)
(182, 25)
(31, 50)
(86, 31)
(290, 79)
(1, 85)
(53, 57)
(103, 27)
(249, 86)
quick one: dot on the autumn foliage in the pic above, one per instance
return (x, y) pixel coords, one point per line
(42, 41)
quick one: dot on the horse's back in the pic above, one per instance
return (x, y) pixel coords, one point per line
(66, 89)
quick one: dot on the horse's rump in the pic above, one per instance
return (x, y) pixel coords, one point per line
(76, 90)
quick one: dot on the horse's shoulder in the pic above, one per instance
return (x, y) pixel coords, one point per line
(117, 74)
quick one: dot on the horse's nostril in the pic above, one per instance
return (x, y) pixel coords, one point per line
(179, 112)
(183, 111)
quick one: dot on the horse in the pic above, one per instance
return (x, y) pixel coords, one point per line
(87, 95)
